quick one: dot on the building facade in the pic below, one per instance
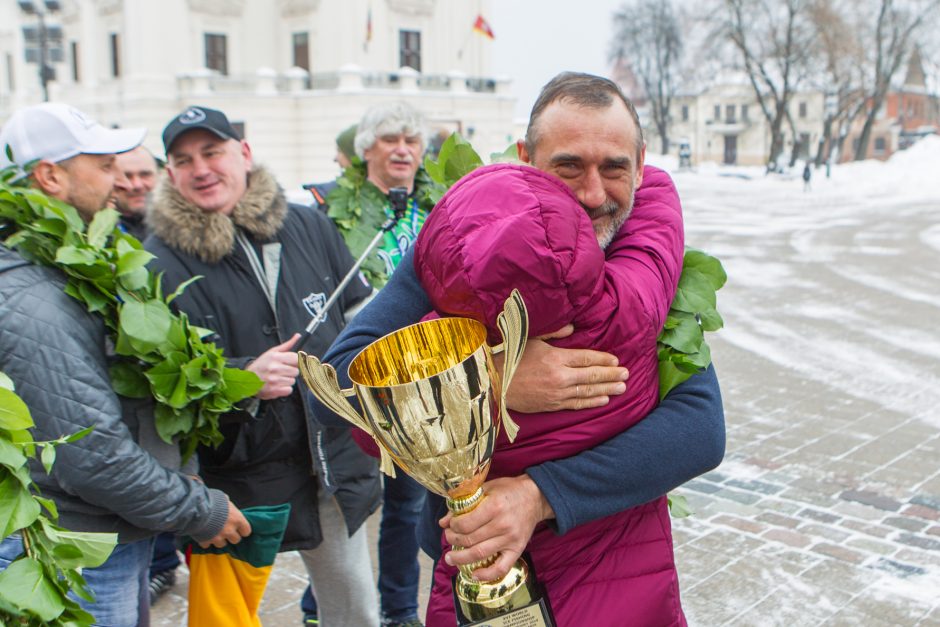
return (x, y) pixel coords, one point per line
(723, 123)
(290, 73)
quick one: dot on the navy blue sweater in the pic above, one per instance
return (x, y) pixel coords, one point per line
(679, 440)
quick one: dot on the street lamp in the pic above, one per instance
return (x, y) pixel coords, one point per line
(43, 42)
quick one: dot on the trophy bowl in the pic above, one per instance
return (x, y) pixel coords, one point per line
(434, 402)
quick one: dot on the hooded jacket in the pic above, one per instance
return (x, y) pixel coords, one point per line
(511, 226)
(275, 454)
(120, 477)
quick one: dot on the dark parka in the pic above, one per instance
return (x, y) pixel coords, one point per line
(120, 477)
(278, 453)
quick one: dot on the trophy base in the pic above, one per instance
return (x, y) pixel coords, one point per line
(527, 606)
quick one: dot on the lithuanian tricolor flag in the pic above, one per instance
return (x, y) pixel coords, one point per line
(226, 585)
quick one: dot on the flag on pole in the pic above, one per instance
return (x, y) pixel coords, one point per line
(481, 26)
(226, 585)
(365, 46)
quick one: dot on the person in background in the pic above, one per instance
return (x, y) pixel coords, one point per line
(344, 155)
(390, 140)
(121, 477)
(268, 267)
(133, 200)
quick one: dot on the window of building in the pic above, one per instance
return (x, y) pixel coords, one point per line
(717, 113)
(880, 145)
(301, 45)
(744, 114)
(409, 49)
(729, 114)
(685, 113)
(73, 51)
(115, 55)
(803, 109)
(216, 53)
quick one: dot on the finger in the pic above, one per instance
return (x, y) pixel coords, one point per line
(592, 375)
(565, 331)
(588, 391)
(289, 344)
(471, 554)
(446, 520)
(586, 358)
(244, 527)
(499, 568)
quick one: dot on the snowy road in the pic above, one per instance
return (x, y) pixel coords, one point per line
(826, 509)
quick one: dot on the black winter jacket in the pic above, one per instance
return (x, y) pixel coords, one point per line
(275, 455)
(55, 352)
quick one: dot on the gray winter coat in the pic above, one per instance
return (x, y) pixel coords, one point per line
(111, 480)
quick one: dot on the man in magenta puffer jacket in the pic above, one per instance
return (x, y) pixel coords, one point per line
(513, 226)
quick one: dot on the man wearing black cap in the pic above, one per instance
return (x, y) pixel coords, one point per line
(121, 477)
(267, 268)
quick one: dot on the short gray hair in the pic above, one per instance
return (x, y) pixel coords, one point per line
(388, 119)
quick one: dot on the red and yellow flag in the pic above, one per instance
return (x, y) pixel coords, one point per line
(226, 585)
(482, 26)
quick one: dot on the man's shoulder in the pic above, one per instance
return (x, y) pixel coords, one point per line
(15, 271)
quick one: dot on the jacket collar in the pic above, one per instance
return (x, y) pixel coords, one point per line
(210, 236)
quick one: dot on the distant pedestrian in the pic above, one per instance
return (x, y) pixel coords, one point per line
(807, 175)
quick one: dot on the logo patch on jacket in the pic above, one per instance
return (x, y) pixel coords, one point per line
(313, 303)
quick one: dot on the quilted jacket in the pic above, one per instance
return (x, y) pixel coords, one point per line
(56, 354)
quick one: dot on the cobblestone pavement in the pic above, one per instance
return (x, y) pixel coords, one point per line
(826, 510)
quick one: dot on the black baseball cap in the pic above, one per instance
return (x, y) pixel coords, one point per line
(192, 118)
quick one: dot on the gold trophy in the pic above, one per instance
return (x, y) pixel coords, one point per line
(433, 400)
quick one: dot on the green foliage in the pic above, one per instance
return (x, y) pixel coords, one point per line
(34, 588)
(357, 207)
(682, 349)
(163, 356)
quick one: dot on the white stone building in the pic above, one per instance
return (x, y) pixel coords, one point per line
(723, 123)
(291, 73)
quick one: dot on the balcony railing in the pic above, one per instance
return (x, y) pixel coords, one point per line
(347, 78)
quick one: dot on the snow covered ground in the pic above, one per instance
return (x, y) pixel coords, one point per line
(826, 509)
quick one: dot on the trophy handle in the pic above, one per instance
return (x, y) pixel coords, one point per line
(513, 323)
(322, 381)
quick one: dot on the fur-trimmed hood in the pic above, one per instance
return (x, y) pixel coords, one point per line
(210, 236)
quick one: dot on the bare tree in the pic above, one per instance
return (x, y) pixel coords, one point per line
(773, 39)
(839, 57)
(893, 32)
(646, 38)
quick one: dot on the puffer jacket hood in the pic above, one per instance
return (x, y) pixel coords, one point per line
(209, 235)
(523, 229)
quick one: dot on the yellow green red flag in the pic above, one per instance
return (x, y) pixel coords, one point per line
(226, 584)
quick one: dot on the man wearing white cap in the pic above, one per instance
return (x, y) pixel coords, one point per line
(121, 477)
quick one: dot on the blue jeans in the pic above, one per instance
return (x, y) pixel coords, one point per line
(122, 598)
(164, 554)
(398, 548)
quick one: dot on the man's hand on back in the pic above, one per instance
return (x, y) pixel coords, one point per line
(236, 527)
(552, 379)
(277, 367)
(503, 522)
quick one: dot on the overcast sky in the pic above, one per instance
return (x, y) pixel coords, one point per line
(536, 40)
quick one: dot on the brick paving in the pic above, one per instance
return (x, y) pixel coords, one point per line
(826, 510)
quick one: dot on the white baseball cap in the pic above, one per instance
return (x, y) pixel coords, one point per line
(56, 132)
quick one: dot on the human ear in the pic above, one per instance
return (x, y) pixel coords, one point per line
(50, 178)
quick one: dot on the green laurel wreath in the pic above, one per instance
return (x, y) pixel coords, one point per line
(162, 355)
(357, 208)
